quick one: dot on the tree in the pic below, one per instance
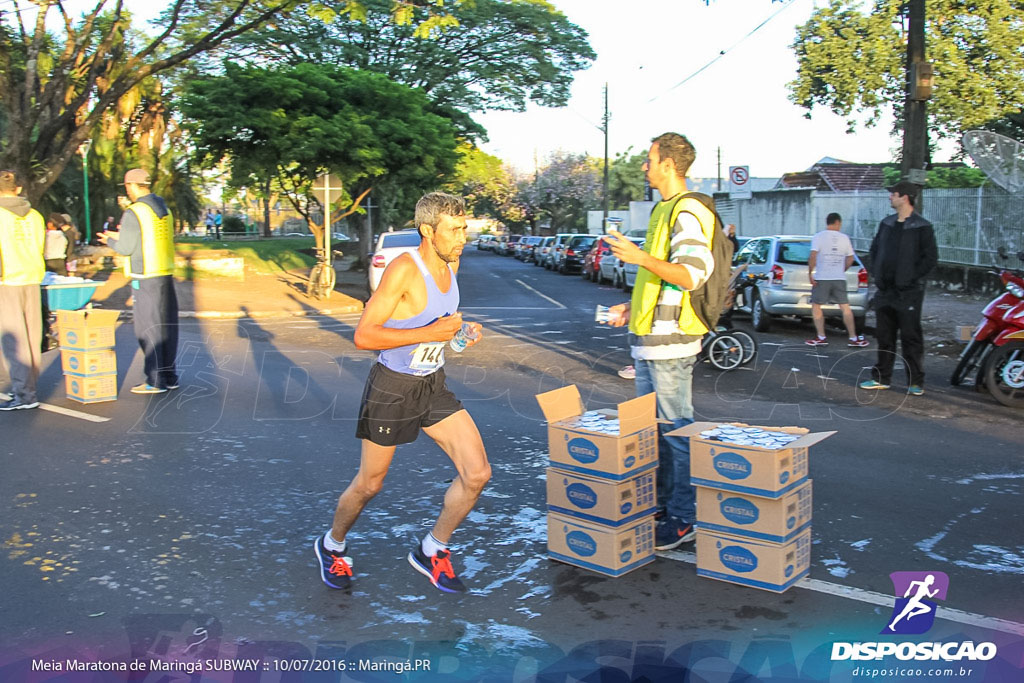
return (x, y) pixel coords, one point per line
(852, 62)
(565, 190)
(487, 184)
(626, 180)
(281, 128)
(504, 53)
(55, 86)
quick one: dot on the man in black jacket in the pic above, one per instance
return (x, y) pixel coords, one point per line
(902, 254)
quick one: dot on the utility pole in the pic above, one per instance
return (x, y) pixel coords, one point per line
(719, 186)
(915, 114)
(604, 129)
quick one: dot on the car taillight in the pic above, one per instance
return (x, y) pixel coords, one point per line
(777, 273)
(862, 278)
(570, 252)
(378, 261)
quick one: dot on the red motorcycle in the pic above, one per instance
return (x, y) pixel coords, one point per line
(996, 349)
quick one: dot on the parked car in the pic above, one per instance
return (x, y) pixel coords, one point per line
(508, 246)
(787, 291)
(592, 261)
(540, 252)
(485, 242)
(624, 274)
(570, 259)
(553, 254)
(498, 243)
(390, 245)
(524, 252)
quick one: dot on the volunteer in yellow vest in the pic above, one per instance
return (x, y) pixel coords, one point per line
(146, 237)
(665, 333)
(22, 237)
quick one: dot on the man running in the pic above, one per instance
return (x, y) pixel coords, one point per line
(410, 318)
(915, 607)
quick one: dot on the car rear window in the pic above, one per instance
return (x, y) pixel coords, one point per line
(401, 239)
(794, 252)
(582, 242)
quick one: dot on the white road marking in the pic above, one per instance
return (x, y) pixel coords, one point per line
(63, 411)
(826, 378)
(880, 599)
(542, 296)
(772, 344)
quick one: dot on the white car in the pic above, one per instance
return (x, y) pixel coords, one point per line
(390, 245)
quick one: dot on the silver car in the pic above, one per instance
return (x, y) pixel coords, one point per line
(787, 291)
(390, 245)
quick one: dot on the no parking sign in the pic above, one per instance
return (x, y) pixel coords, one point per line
(739, 182)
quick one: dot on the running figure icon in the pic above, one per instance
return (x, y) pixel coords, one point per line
(915, 607)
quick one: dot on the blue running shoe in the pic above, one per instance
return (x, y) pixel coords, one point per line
(672, 532)
(335, 567)
(438, 569)
(915, 390)
(872, 385)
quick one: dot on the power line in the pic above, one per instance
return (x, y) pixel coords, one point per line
(726, 51)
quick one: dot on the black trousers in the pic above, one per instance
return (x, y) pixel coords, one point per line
(899, 313)
(156, 326)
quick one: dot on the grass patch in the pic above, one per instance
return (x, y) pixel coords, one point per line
(266, 257)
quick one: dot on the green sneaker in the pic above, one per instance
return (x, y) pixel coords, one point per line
(915, 390)
(873, 385)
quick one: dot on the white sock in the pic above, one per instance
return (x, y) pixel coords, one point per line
(430, 545)
(333, 545)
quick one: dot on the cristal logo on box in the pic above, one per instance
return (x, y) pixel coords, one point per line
(739, 511)
(737, 558)
(731, 465)
(580, 543)
(583, 451)
(581, 495)
(914, 613)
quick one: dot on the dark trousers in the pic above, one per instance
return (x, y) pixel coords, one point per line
(156, 326)
(56, 265)
(899, 313)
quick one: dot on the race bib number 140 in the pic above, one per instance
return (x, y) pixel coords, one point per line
(428, 356)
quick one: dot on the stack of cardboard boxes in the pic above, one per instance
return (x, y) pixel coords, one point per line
(87, 354)
(753, 507)
(601, 482)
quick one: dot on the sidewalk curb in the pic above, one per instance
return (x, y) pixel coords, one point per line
(234, 315)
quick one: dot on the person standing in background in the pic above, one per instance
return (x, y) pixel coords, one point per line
(55, 251)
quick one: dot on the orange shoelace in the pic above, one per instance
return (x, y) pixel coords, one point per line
(340, 567)
(441, 563)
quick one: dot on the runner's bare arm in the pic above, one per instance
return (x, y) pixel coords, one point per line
(394, 286)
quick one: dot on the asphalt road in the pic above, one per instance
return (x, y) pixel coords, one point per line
(181, 529)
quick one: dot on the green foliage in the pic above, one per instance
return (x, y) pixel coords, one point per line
(488, 186)
(504, 53)
(232, 224)
(266, 257)
(942, 177)
(854, 63)
(293, 124)
(625, 180)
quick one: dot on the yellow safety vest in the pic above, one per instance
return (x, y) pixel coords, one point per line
(22, 239)
(648, 285)
(157, 243)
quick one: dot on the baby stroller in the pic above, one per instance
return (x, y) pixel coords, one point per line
(726, 347)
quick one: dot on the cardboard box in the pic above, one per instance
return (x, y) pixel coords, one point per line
(753, 470)
(605, 502)
(778, 520)
(91, 389)
(758, 564)
(87, 330)
(88, 363)
(605, 550)
(965, 332)
(616, 457)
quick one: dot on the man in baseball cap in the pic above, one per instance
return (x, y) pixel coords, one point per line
(147, 239)
(902, 253)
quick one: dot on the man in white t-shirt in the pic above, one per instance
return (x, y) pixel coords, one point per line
(831, 255)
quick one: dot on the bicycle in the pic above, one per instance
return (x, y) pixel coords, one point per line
(322, 277)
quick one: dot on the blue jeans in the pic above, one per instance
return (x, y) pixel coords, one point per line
(672, 380)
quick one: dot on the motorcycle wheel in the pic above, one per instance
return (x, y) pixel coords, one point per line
(968, 361)
(725, 352)
(1004, 374)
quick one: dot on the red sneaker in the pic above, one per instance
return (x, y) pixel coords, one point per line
(817, 341)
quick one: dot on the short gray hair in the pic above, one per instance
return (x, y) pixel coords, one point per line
(432, 206)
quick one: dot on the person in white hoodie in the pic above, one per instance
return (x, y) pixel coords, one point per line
(22, 236)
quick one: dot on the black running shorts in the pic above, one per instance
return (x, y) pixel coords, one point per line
(396, 406)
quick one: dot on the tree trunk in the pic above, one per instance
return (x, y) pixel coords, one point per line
(266, 209)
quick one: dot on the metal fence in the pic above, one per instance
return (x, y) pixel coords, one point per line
(970, 224)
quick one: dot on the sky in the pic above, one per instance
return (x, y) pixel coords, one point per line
(645, 47)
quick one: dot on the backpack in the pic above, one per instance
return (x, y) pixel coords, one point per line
(708, 300)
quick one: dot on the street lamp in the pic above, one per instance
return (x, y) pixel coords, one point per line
(84, 150)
